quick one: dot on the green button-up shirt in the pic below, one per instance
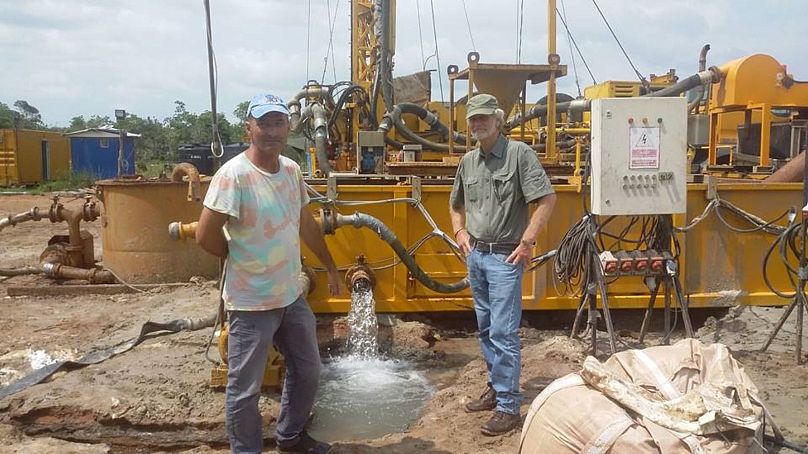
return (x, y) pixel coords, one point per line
(495, 190)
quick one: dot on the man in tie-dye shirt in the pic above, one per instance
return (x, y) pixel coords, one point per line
(254, 215)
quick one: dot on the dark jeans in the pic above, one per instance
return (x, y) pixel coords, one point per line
(251, 334)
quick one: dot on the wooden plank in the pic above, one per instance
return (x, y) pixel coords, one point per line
(94, 289)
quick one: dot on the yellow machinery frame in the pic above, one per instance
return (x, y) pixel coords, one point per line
(718, 267)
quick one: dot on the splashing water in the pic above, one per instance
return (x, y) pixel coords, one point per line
(363, 341)
(360, 394)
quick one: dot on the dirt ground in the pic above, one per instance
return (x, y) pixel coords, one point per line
(156, 398)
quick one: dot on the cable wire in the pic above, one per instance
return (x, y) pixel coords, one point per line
(420, 32)
(330, 48)
(213, 67)
(520, 22)
(437, 54)
(468, 25)
(642, 78)
(572, 54)
(308, 38)
(575, 43)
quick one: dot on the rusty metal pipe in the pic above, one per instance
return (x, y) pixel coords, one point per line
(93, 276)
(359, 276)
(11, 220)
(194, 186)
(10, 272)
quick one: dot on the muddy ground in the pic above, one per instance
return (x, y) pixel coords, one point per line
(156, 398)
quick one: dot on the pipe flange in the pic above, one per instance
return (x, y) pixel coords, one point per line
(360, 276)
(328, 220)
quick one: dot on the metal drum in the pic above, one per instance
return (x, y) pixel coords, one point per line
(134, 231)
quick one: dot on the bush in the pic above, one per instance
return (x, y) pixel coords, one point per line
(69, 182)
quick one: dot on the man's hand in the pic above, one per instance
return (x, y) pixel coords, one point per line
(334, 282)
(520, 255)
(464, 242)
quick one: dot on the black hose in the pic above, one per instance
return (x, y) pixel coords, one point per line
(360, 220)
(693, 107)
(428, 117)
(674, 90)
(148, 330)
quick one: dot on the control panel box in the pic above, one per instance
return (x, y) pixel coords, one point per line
(370, 152)
(639, 156)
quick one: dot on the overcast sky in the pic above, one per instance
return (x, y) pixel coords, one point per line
(89, 57)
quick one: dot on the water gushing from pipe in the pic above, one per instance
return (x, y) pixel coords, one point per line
(363, 340)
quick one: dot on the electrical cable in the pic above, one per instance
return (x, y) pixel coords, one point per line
(330, 48)
(642, 78)
(213, 68)
(420, 32)
(468, 26)
(437, 54)
(575, 43)
(569, 42)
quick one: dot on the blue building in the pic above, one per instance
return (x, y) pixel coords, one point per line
(94, 151)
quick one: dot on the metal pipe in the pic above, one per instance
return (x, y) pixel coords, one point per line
(180, 231)
(315, 92)
(10, 272)
(321, 137)
(11, 220)
(360, 277)
(711, 75)
(93, 276)
(694, 106)
(194, 185)
(360, 220)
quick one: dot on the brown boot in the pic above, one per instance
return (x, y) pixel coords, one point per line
(501, 423)
(486, 402)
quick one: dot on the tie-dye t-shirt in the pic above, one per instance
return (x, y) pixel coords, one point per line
(263, 262)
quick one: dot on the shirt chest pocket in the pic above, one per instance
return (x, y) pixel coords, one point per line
(504, 185)
(472, 188)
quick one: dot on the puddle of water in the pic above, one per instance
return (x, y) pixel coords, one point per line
(364, 396)
(368, 398)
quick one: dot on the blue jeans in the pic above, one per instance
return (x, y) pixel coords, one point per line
(251, 334)
(497, 290)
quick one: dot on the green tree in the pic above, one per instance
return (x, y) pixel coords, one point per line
(6, 116)
(30, 117)
(77, 123)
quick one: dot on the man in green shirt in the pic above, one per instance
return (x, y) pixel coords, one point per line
(494, 185)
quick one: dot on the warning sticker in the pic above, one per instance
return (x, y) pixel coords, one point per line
(644, 151)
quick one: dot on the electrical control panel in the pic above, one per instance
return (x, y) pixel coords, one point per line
(370, 152)
(639, 156)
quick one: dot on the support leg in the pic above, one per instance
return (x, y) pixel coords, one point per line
(653, 286)
(780, 323)
(666, 339)
(683, 305)
(604, 300)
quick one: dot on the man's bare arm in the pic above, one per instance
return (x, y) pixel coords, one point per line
(458, 217)
(313, 237)
(540, 218)
(209, 234)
